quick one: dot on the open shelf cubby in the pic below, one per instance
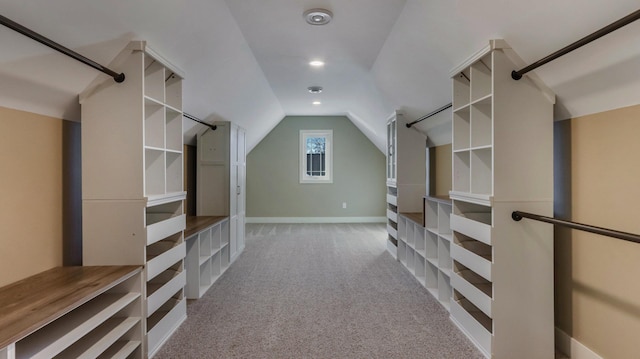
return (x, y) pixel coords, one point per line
(173, 129)
(481, 123)
(174, 172)
(461, 171)
(154, 79)
(481, 79)
(482, 171)
(461, 129)
(173, 91)
(153, 124)
(461, 89)
(154, 172)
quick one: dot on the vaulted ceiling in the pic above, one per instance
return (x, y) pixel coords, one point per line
(247, 60)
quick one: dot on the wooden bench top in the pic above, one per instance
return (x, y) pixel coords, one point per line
(32, 303)
(197, 223)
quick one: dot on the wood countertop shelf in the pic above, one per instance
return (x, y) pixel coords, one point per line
(31, 303)
(196, 224)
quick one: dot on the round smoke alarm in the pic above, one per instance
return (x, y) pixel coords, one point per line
(318, 16)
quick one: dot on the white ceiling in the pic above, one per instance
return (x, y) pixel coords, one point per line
(246, 60)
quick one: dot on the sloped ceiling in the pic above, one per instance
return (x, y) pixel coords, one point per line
(246, 61)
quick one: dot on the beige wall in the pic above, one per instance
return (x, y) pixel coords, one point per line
(443, 170)
(31, 192)
(601, 274)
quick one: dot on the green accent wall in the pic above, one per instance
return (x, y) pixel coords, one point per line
(274, 188)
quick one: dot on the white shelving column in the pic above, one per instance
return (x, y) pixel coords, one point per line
(132, 188)
(502, 273)
(406, 177)
(222, 181)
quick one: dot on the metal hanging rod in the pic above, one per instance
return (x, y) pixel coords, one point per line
(429, 115)
(517, 215)
(517, 75)
(118, 77)
(193, 118)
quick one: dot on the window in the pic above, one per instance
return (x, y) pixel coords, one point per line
(316, 156)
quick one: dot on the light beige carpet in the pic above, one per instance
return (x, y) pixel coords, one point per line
(317, 291)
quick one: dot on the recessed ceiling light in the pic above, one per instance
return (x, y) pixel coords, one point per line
(316, 63)
(316, 103)
(318, 16)
(314, 89)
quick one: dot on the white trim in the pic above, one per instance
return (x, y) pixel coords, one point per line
(573, 348)
(316, 219)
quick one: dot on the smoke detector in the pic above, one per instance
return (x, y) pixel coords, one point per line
(318, 16)
(314, 89)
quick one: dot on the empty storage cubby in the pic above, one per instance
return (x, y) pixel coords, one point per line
(420, 241)
(402, 252)
(173, 129)
(154, 79)
(154, 124)
(481, 79)
(420, 269)
(461, 129)
(444, 219)
(481, 123)
(431, 247)
(173, 91)
(461, 171)
(431, 215)
(461, 89)
(154, 172)
(431, 279)
(482, 171)
(444, 289)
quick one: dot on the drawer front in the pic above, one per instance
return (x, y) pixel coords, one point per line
(392, 231)
(161, 230)
(392, 215)
(481, 337)
(166, 326)
(473, 294)
(160, 296)
(471, 228)
(472, 261)
(392, 199)
(162, 262)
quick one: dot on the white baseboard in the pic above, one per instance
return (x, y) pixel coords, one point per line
(573, 348)
(316, 219)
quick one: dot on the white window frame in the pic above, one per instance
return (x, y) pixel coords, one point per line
(328, 177)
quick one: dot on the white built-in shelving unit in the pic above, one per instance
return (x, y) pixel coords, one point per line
(207, 254)
(63, 317)
(424, 249)
(132, 174)
(406, 174)
(502, 271)
(221, 181)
